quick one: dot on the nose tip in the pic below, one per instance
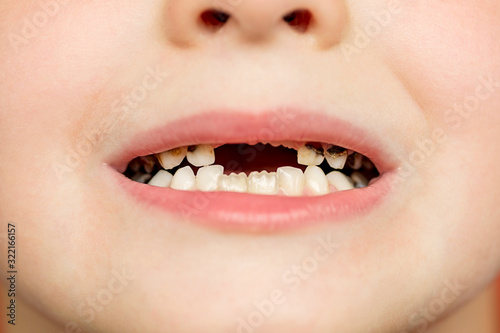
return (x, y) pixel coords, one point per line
(258, 20)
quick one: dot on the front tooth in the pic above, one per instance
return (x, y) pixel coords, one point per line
(206, 178)
(291, 181)
(172, 158)
(316, 181)
(340, 181)
(308, 156)
(233, 182)
(359, 180)
(201, 155)
(161, 179)
(263, 183)
(184, 179)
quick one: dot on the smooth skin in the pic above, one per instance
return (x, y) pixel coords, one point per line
(425, 78)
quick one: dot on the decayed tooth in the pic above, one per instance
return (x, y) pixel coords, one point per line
(148, 163)
(337, 162)
(309, 156)
(161, 179)
(263, 183)
(184, 179)
(201, 155)
(359, 180)
(356, 161)
(291, 181)
(367, 164)
(233, 182)
(316, 181)
(206, 178)
(340, 181)
(141, 177)
(336, 156)
(172, 158)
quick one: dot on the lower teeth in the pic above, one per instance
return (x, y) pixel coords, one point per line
(318, 178)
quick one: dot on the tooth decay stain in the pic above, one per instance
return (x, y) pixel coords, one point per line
(322, 175)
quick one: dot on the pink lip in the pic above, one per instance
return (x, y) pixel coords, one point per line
(248, 211)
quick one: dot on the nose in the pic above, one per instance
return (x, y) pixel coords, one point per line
(190, 22)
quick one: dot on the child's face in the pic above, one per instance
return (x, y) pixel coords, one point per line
(413, 85)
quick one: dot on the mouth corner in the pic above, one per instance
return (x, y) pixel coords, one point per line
(330, 170)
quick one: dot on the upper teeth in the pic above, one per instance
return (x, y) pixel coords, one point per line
(309, 156)
(335, 157)
(172, 158)
(201, 155)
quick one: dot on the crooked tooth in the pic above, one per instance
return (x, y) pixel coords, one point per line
(201, 155)
(291, 181)
(316, 181)
(308, 156)
(161, 179)
(359, 180)
(184, 179)
(340, 181)
(172, 158)
(206, 178)
(263, 183)
(233, 183)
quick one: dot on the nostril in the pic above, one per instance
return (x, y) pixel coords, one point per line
(299, 19)
(214, 19)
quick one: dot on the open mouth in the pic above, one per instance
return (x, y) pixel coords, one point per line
(256, 171)
(289, 169)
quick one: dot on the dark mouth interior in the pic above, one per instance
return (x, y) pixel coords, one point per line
(237, 158)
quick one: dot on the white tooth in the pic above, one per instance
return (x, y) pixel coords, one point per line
(337, 162)
(263, 183)
(316, 181)
(307, 156)
(206, 178)
(172, 158)
(184, 179)
(340, 181)
(202, 155)
(291, 181)
(359, 180)
(233, 182)
(161, 179)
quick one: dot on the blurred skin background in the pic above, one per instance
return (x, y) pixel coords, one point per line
(480, 315)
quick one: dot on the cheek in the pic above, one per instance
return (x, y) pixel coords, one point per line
(441, 49)
(56, 76)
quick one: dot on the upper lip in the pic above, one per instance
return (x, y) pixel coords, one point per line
(235, 127)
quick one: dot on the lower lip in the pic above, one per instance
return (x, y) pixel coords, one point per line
(250, 212)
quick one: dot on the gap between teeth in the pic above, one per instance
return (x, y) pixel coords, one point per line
(287, 181)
